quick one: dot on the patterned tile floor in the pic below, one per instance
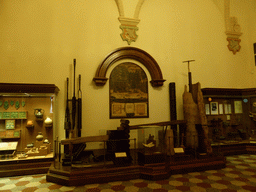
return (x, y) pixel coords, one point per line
(239, 175)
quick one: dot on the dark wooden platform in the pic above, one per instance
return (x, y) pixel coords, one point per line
(81, 176)
(179, 164)
(25, 167)
(236, 148)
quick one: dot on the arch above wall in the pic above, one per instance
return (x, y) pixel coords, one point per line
(137, 54)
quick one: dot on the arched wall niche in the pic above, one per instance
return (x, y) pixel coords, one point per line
(133, 53)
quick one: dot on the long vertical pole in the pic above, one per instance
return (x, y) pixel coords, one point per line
(189, 75)
(67, 115)
(79, 108)
(74, 103)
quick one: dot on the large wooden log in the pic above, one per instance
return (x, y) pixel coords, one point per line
(191, 116)
(194, 114)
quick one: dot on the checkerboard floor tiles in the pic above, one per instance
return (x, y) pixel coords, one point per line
(239, 175)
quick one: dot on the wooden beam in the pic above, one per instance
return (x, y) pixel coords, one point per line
(164, 123)
(77, 140)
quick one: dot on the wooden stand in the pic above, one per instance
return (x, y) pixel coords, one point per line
(151, 158)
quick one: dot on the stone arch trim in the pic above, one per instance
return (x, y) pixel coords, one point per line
(133, 53)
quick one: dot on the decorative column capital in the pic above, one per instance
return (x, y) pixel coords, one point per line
(129, 25)
(129, 28)
(233, 29)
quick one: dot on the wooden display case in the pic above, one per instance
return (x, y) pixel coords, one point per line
(230, 114)
(19, 120)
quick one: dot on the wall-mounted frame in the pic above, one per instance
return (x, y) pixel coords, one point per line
(238, 106)
(214, 108)
(9, 124)
(221, 111)
(207, 109)
(227, 108)
(128, 91)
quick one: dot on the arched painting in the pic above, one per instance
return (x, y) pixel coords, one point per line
(128, 91)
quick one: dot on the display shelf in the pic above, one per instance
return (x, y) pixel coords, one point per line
(30, 126)
(48, 126)
(27, 89)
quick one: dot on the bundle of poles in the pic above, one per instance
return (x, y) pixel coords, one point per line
(73, 120)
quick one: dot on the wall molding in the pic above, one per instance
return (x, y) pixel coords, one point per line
(133, 53)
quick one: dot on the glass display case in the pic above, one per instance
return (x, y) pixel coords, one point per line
(152, 144)
(27, 118)
(116, 148)
(230, 114)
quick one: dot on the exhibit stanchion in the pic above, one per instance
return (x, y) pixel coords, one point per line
(59, 152)
(135, 152)
(104, 154)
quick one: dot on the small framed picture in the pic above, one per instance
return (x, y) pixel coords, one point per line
(2, 134)
(228, 108)
(214, 108)
(16, 133)
(238, 106)
(221, 109)
(9, 124)
(9, 133)
(207, 109)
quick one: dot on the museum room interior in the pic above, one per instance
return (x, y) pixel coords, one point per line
(128, 95)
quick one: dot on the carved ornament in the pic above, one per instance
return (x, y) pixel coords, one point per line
(233, 30)
(129, 25)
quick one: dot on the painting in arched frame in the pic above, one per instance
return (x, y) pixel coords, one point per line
(128, 91)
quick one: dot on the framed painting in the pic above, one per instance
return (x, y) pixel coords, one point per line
(9, 124)
(128, 91)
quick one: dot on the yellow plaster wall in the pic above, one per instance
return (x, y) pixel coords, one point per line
(40, 38)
